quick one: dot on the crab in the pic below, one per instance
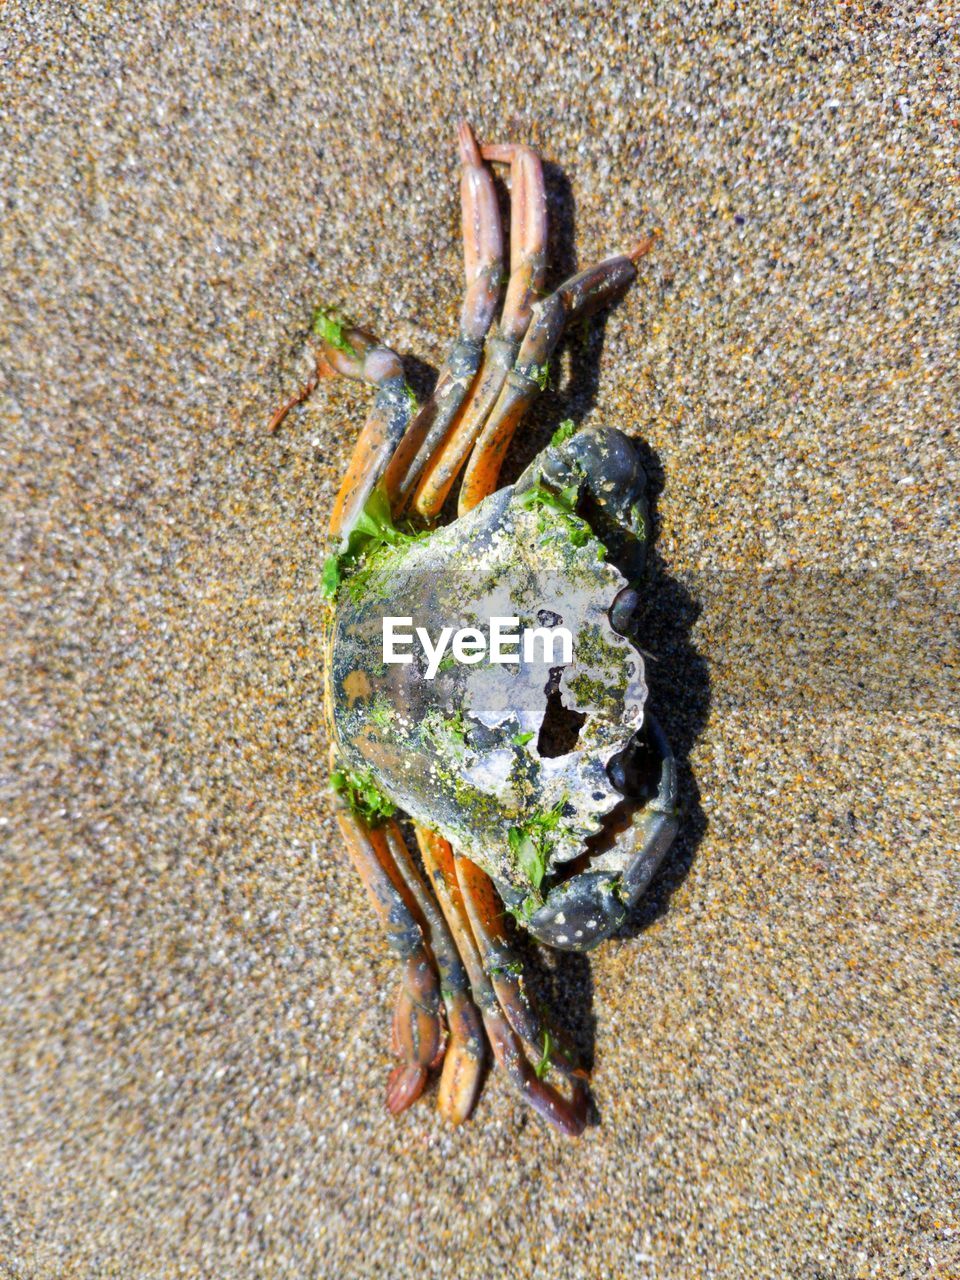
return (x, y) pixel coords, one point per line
(538, 788)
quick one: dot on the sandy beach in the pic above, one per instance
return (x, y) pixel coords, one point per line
(194, 997)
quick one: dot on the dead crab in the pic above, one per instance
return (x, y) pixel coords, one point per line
(543, 787)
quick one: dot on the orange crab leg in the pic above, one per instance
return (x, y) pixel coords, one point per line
(497, 957)
(566, 1114)
(579, 296)
(356, 354)
(528, 259)
(368, 361)
(483, 260)
(417, 1026)
(465, 1052)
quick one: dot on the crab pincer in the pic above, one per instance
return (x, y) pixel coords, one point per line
(449, 874)
(465, 1051)
(417, 1029)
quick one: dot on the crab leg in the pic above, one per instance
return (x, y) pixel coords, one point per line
(528, 259)
(383, 429)
(566, 1114)
(581, 295)
(483, 259)
(417, 1026)
(463, 1060)
(355, 354)
(502, 966)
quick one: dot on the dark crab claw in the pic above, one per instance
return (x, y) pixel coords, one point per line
(607, 469)
(581, 912)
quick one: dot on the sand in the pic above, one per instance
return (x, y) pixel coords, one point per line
(195, 999)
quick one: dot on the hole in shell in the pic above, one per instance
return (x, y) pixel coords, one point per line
(560, 729)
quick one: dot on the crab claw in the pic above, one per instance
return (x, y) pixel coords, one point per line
(580, 912)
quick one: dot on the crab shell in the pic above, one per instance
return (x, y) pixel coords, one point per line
(487, 748)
